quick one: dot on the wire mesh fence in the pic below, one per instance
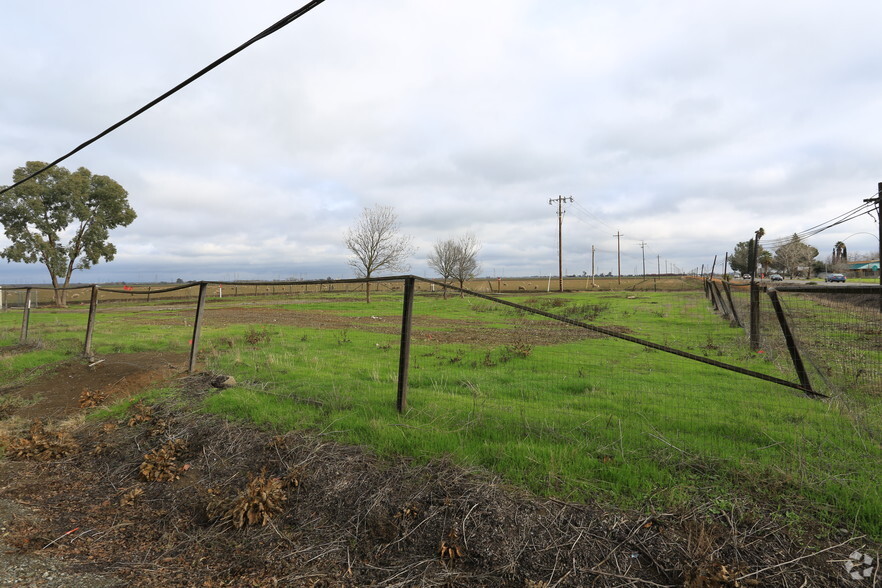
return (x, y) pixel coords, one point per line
(839, 333)
(630, 393)
(836, 332)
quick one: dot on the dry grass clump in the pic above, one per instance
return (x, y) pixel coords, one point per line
(130, 496)
(161, 465)
(39, 444)
(143, 414)
(258, 502)
(92, 398)
(449, 550)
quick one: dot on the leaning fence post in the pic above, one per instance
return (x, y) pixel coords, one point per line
(791, 342)
(90, 325)
(404, 357)
(712, 295)
(26, 317)
(728, 291)
(718, 300)
(197, 325)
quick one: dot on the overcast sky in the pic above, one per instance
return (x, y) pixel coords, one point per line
(685, 125)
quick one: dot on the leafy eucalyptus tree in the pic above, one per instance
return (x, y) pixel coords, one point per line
(740, 258)
(794, 256)
(62, 220)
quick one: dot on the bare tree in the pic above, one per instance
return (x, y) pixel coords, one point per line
(465, 265)
(443, 260)
(376, 244)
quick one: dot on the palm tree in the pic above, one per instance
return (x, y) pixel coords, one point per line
(840, 253)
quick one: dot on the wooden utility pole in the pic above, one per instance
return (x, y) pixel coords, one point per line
(593, 284)
(560, 212)
(618, 237)
(643, 251)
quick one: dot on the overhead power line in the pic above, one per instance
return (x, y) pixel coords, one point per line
(594, 217)
(865, 208)
(261, 35)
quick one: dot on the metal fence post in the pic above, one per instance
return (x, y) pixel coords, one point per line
(197, 326)
(404, 357)
(791, 342)
(90, 325)
(26, 317)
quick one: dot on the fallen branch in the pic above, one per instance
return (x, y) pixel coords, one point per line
(794, 560)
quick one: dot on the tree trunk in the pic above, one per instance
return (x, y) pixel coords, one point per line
(58, 294)
(367, 290)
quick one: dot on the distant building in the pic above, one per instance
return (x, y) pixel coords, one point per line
(864, 267)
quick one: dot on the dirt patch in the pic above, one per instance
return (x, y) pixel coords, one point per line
(59, 393)
(340, 516)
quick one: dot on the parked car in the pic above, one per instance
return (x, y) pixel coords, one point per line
(745, 276)
(777, 278)
(834, 278)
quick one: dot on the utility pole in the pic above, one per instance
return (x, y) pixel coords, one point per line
(618, 237)
(560, 212)
(878, 201)
(592, 267)
(643, 251)
(658, 264)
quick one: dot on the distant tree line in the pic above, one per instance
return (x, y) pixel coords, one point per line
(793, 259)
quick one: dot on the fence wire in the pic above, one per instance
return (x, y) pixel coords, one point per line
(563, 409)
(839, 332)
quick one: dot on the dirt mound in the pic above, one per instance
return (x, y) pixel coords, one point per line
(167, 496)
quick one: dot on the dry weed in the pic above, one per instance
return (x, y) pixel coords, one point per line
(161, 465)
(450, 550)
(258, 502)
(143, 414)
(92, 398)
(40, 444)
(129, 498)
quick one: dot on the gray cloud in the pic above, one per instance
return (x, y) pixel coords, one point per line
(682, 124)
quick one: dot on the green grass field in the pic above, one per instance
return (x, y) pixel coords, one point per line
(539, 402)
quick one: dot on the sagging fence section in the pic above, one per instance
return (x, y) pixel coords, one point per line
(630, 390)
(830, 335)
(721, 295)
